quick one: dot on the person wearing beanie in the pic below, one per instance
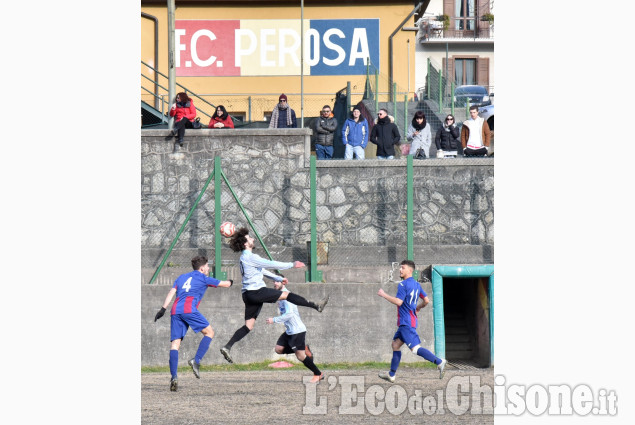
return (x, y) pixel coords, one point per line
(282, 115)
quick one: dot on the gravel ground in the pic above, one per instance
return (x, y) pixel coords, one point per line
(280, 396)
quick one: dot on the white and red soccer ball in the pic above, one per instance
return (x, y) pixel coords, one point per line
(227, 229)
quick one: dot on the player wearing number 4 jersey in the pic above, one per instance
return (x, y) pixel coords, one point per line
(408, 295)
(189, 289)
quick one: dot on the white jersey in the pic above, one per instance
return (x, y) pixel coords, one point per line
(290, 316)
(253, 272)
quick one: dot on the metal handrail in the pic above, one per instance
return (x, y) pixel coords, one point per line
(185, 89)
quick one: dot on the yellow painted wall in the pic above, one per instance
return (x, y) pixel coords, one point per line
(390, 17)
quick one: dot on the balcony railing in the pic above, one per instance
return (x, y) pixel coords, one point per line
(432, 33)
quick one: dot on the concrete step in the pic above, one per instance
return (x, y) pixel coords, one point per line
(465, 337)
(459, 355)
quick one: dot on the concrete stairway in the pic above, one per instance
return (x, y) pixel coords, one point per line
(458, 341)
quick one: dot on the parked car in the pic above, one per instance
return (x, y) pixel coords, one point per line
(487, 113)
(476, 95)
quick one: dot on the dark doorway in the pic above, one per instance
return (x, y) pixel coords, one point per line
(466, 317)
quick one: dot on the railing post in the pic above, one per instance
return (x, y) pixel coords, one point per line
(249, 108)
(410, 207)
(452, 94)
(348, 97)
(440, 91)
(429, 80)
(405, 114)
(312, 274)
(218, 273)
(376, 90)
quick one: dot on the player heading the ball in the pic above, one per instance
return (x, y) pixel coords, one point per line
(254, 290)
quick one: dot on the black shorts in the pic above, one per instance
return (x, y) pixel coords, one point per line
(254, 299)
(293, 342)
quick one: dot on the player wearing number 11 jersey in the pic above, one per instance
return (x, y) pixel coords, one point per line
(408, 294)
(189, 289)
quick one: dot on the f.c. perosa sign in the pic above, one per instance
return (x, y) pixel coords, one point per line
(251, 47)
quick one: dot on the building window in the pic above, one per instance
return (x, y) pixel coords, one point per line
(464, 71)
(464, 11)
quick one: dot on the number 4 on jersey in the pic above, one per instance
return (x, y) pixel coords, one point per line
(187, 285)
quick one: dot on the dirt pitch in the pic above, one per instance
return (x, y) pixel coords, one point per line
(278, 396)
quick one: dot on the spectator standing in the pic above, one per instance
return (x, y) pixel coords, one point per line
(221, 119)
(419, 133)
(324, 127)
(184, 113)
(282, 115)
(475, 135)
(385, 135)
(355, 135)
(448, 138)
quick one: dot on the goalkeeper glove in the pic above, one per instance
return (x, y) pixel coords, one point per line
(159, 314)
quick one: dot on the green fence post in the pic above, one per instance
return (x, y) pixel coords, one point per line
(440, 92)
(452, 94)
(429, 80)
(312, 274)
(217, 272)
(376, 90)
(410, 213)
(405, 113)
(187, 219)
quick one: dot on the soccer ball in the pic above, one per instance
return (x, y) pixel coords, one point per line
(227, 229)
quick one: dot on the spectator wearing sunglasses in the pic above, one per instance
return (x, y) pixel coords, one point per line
(448, 136)
(385, 135)
(324, 127)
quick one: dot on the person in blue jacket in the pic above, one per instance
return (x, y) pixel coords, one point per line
(355, 135)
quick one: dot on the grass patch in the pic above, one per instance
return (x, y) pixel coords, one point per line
(264, 366)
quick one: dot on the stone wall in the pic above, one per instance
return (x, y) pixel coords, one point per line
(361, 205)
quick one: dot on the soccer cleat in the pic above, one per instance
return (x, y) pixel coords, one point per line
(441, 367)
(174, 384)
(195, 368)
(386, 376)
(225, 352)
(317, 378)
(322, 304)
(308, 352)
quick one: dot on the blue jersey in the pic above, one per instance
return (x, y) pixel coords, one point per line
(190, 289)
(409, 291)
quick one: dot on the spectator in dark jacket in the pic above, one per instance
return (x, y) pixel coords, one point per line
(448, 137)
(184, 113)
(283, 116)
(324, 128)
(385, 135)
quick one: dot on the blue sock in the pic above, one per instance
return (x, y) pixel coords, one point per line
(427, 354)
(174, 362)
(394, 364)
(202, 349)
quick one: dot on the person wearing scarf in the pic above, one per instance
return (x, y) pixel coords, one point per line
(385, 135)
(282, 115)
(448, 137)
(419, 133)
(184, 113)
(221, 119)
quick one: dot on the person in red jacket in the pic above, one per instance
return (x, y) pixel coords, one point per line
(184, 113)
(221, 119)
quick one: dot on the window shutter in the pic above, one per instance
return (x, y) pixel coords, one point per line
(482, 72)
